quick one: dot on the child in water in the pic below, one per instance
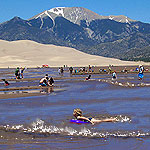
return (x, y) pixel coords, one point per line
(6, 83)
(141, 72)
(44, 81)
(114, 75)
(77, 113)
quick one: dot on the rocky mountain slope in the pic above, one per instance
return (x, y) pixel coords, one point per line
(110, 36)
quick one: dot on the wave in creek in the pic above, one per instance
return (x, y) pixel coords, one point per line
(124, 84)
(39, 128)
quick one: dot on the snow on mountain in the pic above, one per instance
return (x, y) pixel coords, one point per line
(78, 14)
(121, 18)
(58, 11)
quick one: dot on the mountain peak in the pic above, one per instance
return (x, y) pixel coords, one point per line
(16, 18)
(78, 14)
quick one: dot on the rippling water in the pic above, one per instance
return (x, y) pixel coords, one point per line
(43, 122)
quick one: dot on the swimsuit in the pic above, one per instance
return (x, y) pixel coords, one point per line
(90, 119)
(42, 84)
(85, 120)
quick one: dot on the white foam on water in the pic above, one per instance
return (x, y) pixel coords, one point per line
(124, 84)
(40, 128)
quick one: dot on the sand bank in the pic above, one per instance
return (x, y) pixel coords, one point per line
(32, 54)
(7, 96)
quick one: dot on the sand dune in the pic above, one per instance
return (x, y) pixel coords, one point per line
(32, 54)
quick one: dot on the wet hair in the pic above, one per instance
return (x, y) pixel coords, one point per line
(46, 76)
(77, 112)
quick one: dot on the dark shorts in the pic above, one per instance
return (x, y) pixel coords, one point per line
(16, 74)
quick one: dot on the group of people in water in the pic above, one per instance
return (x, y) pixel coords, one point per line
(46, 81)
(140, 72)
(61, 71)
(77, 113)
(18, 75)
(19, 72)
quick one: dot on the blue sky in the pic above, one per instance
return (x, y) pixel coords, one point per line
(134, 9)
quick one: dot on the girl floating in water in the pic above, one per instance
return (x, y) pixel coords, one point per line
(77, 113)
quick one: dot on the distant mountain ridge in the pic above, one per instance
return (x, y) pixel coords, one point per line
(80, 28)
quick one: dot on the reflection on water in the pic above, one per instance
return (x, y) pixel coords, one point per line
(47, 90)
(43, 122)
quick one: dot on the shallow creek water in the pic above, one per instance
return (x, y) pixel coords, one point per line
(43, 122)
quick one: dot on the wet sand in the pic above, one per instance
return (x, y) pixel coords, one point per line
(8, 96)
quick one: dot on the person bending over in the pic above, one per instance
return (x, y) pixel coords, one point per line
(44, 81)
(51, 81)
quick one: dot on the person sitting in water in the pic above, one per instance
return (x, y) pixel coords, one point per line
(114, 75)
(44, 81)
(77, 113)
(87, 78)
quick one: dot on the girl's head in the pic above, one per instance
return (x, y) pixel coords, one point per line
(77, 112)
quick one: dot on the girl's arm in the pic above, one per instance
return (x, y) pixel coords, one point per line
(84, 118)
